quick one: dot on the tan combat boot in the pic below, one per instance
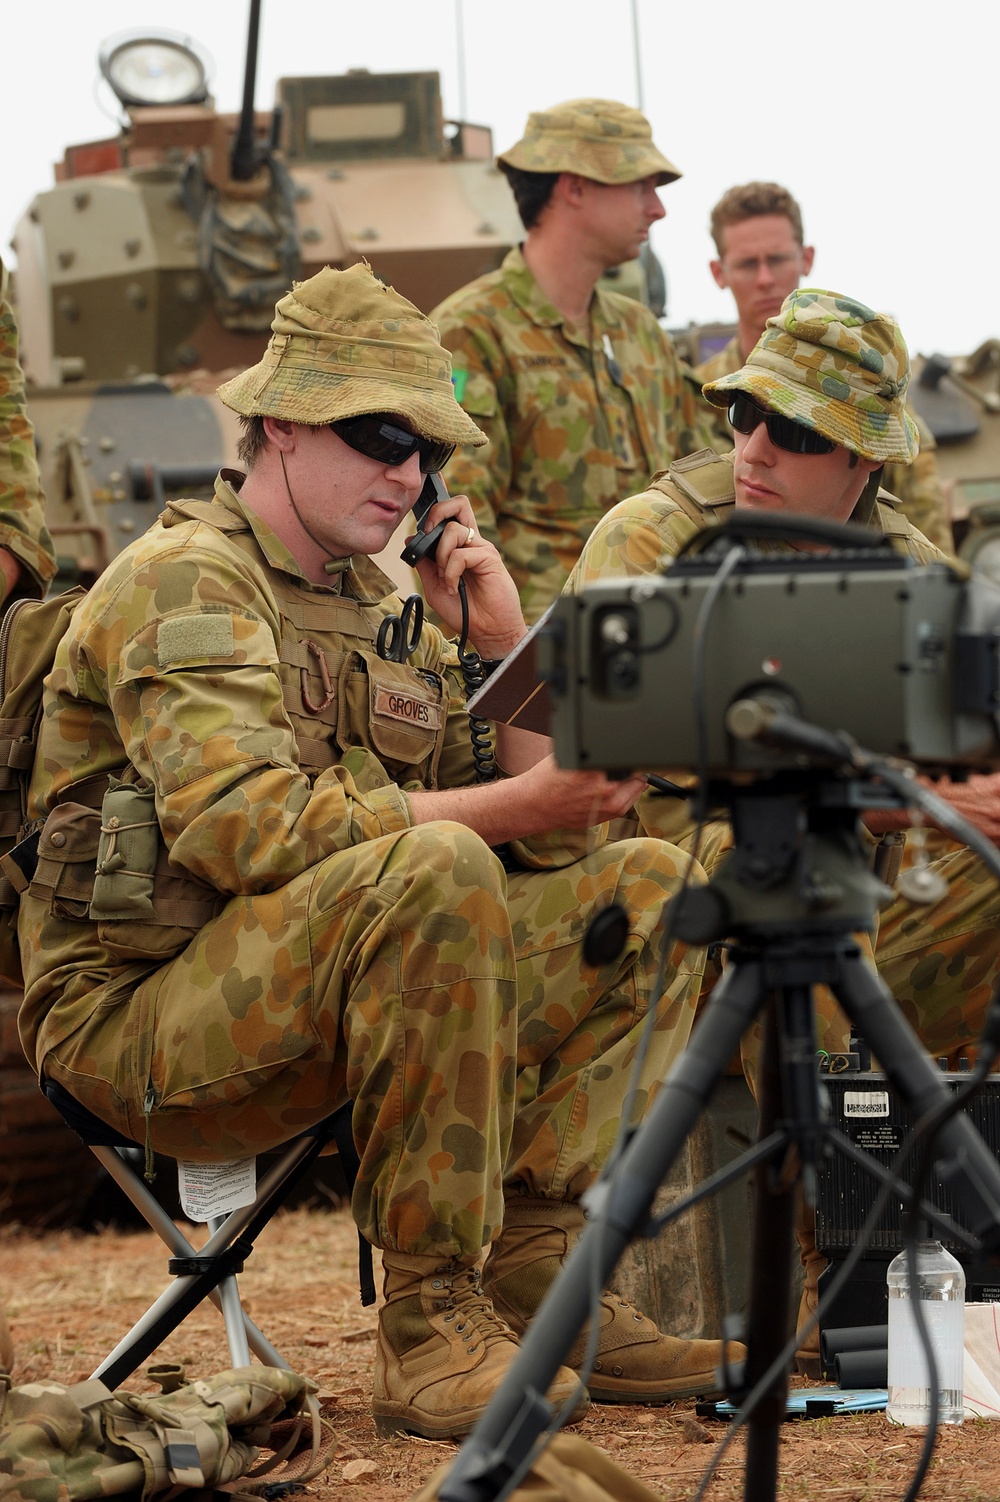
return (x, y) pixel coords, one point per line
(807, 1358)
(635, 1362)
(441, 1352)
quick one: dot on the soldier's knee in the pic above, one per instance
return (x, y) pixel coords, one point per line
(658, 861)
(455, 855)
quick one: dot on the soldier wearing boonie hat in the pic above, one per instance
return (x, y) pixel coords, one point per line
(835, 366)
(598, 138)
(825, 382)
(312, 912)
(825, 385)
(343, 345)
(577, 387)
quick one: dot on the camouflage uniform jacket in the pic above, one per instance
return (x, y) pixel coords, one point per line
(916, 486)
(643, 533)
(265, 732)
(577, 418)
(22, 516)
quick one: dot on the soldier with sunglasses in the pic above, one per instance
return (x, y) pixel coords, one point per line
(266, 886)
(817, 410)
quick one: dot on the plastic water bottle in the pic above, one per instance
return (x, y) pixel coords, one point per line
(941, 1290)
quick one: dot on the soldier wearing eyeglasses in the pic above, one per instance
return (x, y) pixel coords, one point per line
(817, 410)
(265, 882)
(761, 258)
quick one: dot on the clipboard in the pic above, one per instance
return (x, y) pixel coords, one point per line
(515, 694)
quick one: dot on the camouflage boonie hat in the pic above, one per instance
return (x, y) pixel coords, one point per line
(596, 138)
(831, 363)
(343, 345)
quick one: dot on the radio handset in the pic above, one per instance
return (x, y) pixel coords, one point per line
(424, 545)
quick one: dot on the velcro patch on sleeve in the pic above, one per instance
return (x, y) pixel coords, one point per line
(187, 637)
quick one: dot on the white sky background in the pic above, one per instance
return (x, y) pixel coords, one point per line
(880, 115)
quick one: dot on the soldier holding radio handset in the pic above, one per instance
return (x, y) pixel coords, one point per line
(313, 911)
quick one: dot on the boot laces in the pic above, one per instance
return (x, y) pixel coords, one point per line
(460, 1292)
(617, 1301)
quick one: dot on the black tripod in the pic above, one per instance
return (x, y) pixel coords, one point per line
(792, 893)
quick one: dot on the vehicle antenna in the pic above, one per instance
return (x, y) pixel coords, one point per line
(244, 160)
(460, 49)
(637, 55)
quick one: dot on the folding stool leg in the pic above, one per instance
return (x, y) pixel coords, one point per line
(188, 1289)
(232, 1309)
(157, 1218)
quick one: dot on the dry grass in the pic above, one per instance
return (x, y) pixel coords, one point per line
(71, 1296)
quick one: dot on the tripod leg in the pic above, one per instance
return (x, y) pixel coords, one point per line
(770, 1280)
(964, 1162)
(517, 1414)
(788, 1092)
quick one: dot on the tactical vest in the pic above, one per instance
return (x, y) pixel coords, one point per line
(337, 691)
(101, 855)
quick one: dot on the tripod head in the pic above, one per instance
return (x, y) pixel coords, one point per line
(798, 865)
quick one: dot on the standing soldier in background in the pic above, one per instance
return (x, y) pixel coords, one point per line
(757, 229)
(579, 390)
(27, 562)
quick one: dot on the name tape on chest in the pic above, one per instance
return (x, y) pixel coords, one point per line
(539, 362)
(408, 708)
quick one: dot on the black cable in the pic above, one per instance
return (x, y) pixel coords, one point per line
(480, 731)
(598, 1214)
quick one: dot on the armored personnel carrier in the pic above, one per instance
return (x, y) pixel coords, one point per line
(149, 270)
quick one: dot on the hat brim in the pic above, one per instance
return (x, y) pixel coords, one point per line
(596, 164)
(316, 397)
(869, 431)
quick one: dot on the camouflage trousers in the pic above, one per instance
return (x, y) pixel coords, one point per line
(411, 975)
(939, 962)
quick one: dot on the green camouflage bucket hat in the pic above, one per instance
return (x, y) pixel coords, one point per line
(831, 363)
(596, 138)
(343, 345)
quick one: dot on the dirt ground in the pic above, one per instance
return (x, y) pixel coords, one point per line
(71, 1295)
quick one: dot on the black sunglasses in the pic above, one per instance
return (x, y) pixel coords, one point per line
(378, 438)
(784, 432)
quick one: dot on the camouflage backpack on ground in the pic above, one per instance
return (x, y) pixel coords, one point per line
(64, 1444)
(30, 632)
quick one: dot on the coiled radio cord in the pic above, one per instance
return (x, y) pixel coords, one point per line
(474, 677)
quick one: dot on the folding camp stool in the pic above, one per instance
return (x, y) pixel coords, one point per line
(210, 1272)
